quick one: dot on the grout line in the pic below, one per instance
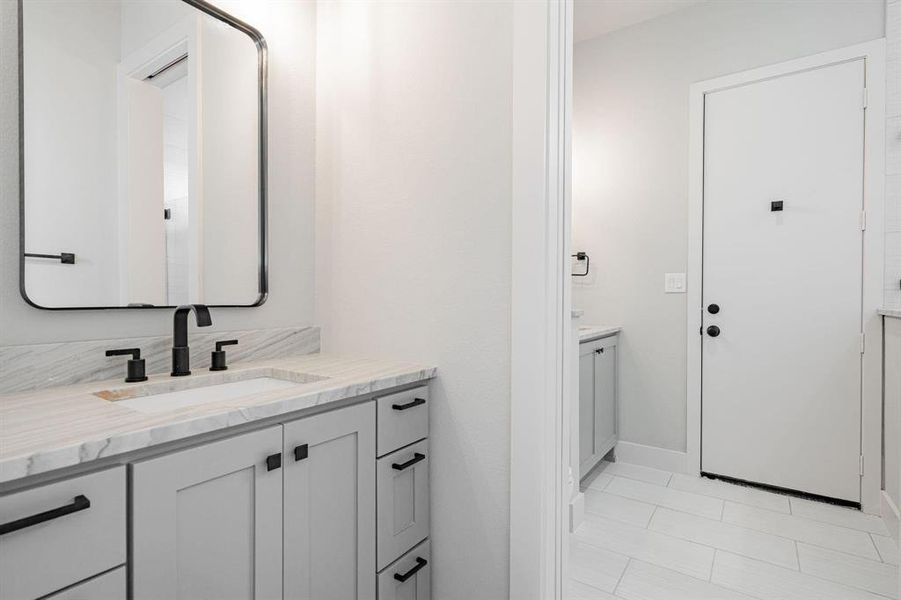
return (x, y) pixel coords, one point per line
(621, 575)
(653, 512)
(797, 554)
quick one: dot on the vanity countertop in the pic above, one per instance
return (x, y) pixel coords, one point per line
(890, 312)
(54, 428)
(593, 332)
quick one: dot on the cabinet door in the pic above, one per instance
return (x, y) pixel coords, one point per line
(330, 506)
(586, 405)
(604, 399)
(207, 521)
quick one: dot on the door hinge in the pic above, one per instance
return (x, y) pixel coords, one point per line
(863, 343)
(861, 465)
(865, 97)
(863, 220)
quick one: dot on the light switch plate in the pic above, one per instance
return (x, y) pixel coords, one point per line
(674, 283)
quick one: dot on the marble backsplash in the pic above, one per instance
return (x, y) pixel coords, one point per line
(30, 367)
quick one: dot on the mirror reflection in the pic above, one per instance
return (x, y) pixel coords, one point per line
(142, 164)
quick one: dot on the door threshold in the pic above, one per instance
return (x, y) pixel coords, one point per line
(783, 491)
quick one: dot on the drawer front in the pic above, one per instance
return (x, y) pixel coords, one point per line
(403, 418)
(410, 578)
(74, 530)
(402, 502)
(109, 586)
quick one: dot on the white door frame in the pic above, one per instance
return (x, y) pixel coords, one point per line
(540, 314)
(873, 249)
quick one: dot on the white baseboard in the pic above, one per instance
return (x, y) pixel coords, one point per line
(891, 516)
(652, 456)
(576, 511)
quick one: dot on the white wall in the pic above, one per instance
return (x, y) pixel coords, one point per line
(893, 156)
(630, 147)
(414, 242)
(289, 28)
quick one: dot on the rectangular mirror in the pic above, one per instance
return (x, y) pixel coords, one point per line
(143, 165)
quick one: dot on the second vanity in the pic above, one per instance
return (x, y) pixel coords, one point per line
(307, 469)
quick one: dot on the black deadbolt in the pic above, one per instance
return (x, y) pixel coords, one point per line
(713, 331)
(713, 309)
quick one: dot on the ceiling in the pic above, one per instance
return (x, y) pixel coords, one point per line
(592, 18)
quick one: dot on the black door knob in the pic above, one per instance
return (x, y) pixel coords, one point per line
(713, 331)
(713, 309)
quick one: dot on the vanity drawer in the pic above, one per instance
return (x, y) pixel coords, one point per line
(403, 418)
(402, 501)
(410, 578)
(109, 586)
(59, 534)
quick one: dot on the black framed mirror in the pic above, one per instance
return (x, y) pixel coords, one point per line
(143, 163)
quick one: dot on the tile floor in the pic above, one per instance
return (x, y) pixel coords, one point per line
(652, 535)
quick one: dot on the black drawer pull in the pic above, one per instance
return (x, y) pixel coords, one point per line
(420, 563)
(417, 402)
(78, 503)
(416, 458)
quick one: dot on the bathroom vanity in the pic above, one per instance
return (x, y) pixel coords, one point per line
(318, 488)
(598, 412)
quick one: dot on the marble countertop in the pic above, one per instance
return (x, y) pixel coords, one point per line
(890, 312)
(49, 429)
(592, 332)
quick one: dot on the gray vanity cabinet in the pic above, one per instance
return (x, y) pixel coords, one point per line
(597, 401)
(207, 521)
(329, 505)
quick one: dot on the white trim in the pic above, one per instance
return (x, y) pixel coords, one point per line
(874, 186)
(540, 313)
(576, 511)
(891, 516)
(652, 456)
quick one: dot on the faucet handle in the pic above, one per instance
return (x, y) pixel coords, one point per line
(217, 357)
(135, 368)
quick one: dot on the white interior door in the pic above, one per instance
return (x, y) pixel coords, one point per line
(781, 396)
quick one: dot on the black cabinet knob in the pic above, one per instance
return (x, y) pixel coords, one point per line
(713, 331)
(274, 461)
(713, 309)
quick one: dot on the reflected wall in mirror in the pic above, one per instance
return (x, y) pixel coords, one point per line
(143, 134)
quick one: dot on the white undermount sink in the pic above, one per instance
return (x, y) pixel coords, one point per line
(158, 397)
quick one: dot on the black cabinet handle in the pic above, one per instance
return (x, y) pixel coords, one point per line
(274, 461)
(420, 563)
(713, 331)
(78, 503)
(416, 458)
(417, 402)
(301, 452)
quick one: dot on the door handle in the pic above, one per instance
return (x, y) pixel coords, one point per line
(713, 331)
(420, 563)
(79, 503)
(416, 458)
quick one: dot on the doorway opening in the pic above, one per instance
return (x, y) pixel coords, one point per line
(727, 209)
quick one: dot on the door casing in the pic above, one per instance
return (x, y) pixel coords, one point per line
(873, 250)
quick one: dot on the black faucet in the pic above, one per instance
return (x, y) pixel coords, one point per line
(181, 354)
